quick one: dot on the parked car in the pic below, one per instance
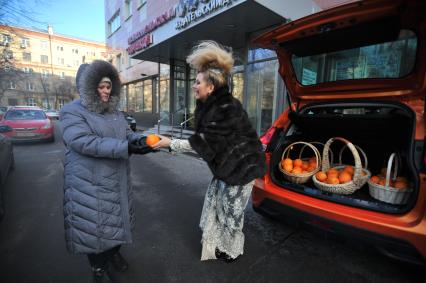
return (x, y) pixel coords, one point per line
(356, 71)
(3, 110)
(7, 162)
(130, 120)
(28, 124)
(52, 114)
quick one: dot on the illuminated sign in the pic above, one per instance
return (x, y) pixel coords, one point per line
(189, 11)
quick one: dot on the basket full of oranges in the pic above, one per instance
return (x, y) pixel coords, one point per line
(299, 170)
(388, 186)
(342, 179)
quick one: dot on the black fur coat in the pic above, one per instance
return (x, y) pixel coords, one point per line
(226, 140)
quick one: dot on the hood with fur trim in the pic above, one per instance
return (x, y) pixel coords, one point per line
(88, 85)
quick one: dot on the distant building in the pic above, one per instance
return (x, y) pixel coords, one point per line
(154, 37)
(38, 67)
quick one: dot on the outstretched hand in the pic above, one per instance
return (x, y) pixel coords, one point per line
(139, 147)
(163, 143)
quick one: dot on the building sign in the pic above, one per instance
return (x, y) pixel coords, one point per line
(142, 39)
(190, 12)
(140, 43)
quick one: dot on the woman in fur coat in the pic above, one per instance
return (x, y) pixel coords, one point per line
(98, 199)
(226, 140)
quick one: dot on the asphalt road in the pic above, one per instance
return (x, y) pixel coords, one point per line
(169, 192)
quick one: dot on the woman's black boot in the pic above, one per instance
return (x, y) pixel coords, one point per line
(102, 275)
(119, 263)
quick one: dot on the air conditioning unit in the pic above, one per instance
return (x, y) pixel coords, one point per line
(23, 45)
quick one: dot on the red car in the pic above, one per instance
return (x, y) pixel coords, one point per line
(356, 72)
(28, 124)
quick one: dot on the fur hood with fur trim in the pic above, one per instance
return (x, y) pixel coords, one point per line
(88, 84)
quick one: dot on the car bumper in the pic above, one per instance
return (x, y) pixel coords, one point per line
(36, 136)
(398, 236)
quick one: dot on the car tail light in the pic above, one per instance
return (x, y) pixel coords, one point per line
(266, 137)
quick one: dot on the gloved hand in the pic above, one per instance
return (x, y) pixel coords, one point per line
(141, 141)
(139, 149)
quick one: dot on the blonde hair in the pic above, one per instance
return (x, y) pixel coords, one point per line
(213, 60)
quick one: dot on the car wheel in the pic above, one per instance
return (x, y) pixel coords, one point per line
(52, 139)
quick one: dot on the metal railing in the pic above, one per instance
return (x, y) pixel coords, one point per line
(184, 123)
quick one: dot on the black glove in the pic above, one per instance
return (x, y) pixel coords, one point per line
(140, 141)
(139, 149)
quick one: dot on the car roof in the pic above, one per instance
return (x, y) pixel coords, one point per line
(23, 107)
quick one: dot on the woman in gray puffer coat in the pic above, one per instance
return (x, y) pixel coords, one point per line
(98, 201)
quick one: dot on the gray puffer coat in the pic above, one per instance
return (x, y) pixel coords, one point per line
(97, 187)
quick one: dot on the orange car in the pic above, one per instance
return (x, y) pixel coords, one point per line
(356, 71)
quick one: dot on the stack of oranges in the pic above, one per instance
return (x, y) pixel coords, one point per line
(299, 166)
(398, 183)
(335, 176)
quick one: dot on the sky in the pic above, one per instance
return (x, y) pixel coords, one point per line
(77, 18)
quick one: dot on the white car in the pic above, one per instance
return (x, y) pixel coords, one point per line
(52, 114)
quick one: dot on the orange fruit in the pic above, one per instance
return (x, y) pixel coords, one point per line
(297, 170)
(297, 163)
(349, 169)
(402, 179)
(288, 167)
(332, 173)
(333, 180)
(374, 179)
(287, 161)
(305, 165)
(321, 176)
(400, 185)
(345, 177)
(152, 139)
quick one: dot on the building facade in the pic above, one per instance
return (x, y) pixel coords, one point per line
(38, 67)
(153, 39)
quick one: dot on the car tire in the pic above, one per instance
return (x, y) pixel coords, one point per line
(52, 139)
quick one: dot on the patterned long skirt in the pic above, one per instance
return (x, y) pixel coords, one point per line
(222, 219)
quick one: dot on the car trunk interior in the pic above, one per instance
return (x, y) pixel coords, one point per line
(378, 128)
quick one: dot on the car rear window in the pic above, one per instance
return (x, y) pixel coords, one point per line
(392, 59)
(25, 115)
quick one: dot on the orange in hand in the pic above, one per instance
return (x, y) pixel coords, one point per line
(152, 139)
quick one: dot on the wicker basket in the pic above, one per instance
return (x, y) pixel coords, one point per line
(346, 188)
(387, 193)
(367, 173)
(299, 178)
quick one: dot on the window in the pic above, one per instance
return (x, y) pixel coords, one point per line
(75, 51)
(45, 73)
(44, 45)
(61, 102)
(394, 59)
(8, 54)
(27, 70)
(119, 62)
(76, 63)
(60, 48)
(62, 75)
(25, 42)
(31, 102)
(12, 85)
(26, 56)
(6, 39)
(128, 8)
(60, 61)
(114, 23)
(30, 87)
(44, 59)
(46, 104)
(141, 3)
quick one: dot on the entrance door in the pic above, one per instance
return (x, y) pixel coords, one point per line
(262, 93)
